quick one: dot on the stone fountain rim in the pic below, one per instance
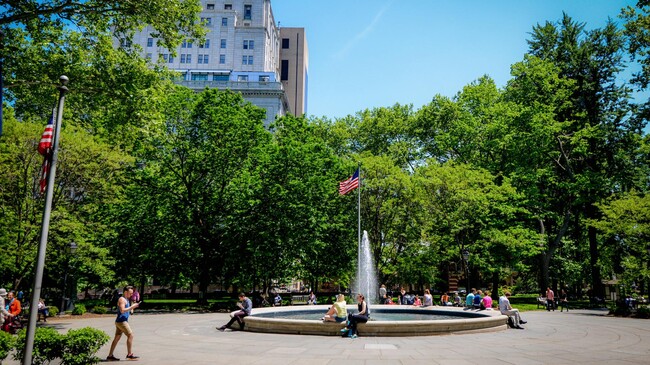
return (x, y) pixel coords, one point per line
(484, 321)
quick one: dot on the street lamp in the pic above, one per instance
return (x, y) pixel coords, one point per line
(71, 250)
(465, 255)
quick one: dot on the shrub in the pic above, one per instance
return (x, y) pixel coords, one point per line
(48, 345)
(7, 342)
(79, 309)
(100, 310)
(643, 312)
(53, 310)
(82, 344)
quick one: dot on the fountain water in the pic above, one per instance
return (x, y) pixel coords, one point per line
(366, 280)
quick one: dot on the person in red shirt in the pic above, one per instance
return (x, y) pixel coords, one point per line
(14, 304)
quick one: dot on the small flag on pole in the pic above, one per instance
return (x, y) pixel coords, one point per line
(349, 184)
(44, 148)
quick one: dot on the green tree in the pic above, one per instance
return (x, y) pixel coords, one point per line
(203, 154)
(89, 178)
(597, 135)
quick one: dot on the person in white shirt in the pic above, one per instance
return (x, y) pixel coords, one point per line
(506, 308)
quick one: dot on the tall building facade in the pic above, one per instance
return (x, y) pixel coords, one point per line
(244, 51)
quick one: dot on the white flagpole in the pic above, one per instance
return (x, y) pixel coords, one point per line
(359, 229)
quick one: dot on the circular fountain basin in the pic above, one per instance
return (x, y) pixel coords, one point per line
(384, 321)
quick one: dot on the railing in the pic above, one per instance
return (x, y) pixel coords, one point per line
(232, 85)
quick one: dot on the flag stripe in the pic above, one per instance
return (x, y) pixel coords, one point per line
(45, 144)
(349, 184)
(45, 149)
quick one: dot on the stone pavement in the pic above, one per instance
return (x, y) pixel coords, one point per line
(576, 337)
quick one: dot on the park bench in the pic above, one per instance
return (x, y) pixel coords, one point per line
(541, 301)
(299, 299)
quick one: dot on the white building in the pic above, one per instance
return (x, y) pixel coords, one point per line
(244, 51)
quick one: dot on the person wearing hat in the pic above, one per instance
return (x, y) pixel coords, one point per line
(3, 310)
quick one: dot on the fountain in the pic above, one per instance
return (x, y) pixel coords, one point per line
(385, 320)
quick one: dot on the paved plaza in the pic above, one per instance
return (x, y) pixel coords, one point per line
(576, 337)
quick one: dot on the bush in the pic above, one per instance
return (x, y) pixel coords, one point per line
(79, 309)
(82, 344)
(7, 342)
(100, 310)
(53, 310)
(643, 312)
(48, 345)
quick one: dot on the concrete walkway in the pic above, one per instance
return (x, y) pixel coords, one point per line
(577, 337)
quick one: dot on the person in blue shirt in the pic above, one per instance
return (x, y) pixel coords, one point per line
(469, 300)
(246, 307)
(124, 308)
(477, 299)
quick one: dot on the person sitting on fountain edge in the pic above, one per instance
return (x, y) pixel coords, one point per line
(337, 312)
(354, 319)
(246, 307)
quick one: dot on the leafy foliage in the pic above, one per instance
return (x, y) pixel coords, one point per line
(48, 345)
(82, 344)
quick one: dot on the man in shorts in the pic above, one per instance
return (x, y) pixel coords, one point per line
(124, 308)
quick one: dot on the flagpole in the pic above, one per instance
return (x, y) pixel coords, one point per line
(45, 226)
(2, 46)
(359, 231)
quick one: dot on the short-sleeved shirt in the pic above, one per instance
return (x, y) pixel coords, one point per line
(487, 301)
(504, 304)
(470, 299)
(341, 310)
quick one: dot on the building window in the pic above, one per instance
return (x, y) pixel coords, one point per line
(222, 59)
(248, 12)
(242, 78)
(220, 77)
(284, 70)
(205, 44)
(224, 22)
(199, 77)
(227, 6)
(149, 56)
(186, 44)
(166, 57)
(285, 43)
(149, 42)
(125, 43)
(204, 58)
(247, 60)
(186, 58)
(209, 7)
(249, 44)
(206, 21)
(223, 43)
(264, 78)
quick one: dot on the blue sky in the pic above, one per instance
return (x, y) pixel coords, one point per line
(375, 53)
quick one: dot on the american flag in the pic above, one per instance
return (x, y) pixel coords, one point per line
(44, 148)
(349, 184)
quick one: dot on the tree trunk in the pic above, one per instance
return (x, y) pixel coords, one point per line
(495, 286)
(596, 280)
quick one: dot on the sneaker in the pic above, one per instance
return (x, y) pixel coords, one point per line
(222, 328)
(132, 357)
(523, 322)
(112, 358)
(344, 330)
(354, 336)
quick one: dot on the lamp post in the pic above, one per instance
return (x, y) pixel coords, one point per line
(465, 255)
(70, 250)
